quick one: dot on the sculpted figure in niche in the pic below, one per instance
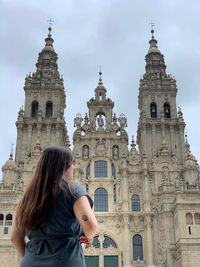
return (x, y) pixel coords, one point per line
(100, 121)
(166, 174)
(85, 152)
(115, 152)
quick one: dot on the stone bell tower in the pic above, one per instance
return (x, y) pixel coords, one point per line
(43, 115)
(159, 121)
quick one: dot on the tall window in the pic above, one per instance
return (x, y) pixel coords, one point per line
(101, 200)
(167, 110)
(135, 199)
(113, 171)
(8, 219)
(153, 110)
(1, 219)
(100, 168)
(34, 109)
(197, 218)
(114, 193)
(189, 219)
(49, 109)
(88, 171)
(137, 248)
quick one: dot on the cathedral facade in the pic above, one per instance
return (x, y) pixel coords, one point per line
(147, 201)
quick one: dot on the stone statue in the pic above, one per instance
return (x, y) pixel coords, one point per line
(85, 152)
(115, 152)
(166, 173)
(100, 121)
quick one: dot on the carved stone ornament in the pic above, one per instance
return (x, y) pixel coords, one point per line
(85, 152)
(100, 148)
(161, 255)
(115, 152)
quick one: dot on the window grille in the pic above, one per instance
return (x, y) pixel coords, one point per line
(100, 168)
(137, 248)
(101, 200)
(135, 203)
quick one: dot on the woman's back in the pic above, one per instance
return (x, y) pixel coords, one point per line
(57, 243)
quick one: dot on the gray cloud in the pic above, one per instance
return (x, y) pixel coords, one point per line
(88, 33)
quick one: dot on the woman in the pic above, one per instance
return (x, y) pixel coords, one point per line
(55, 214)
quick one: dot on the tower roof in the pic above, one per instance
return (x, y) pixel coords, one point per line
(155, 63)
(49, 41)
(153, 44)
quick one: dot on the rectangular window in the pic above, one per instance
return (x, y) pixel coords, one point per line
(92, 261)
(110, 261)
(100, 168)
(5, 230)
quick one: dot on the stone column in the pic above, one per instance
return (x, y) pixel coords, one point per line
(181, 129)
(149, 244)
(143, 139)
(154, 147)
(172, 138)
(57, 134)
(48, 135)
(126, 242)
(29, 137)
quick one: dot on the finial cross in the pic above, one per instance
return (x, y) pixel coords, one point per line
(100, 68)
(50, 21)
(152, 24)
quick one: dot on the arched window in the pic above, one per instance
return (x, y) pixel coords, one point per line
(88, 171)
(34, 109)
(95, 242)
(1, 219)
(113, 171)
(100, 168)
(49, 109)
(101, 200)
(8, 219)
(197, 218)
(137, 248)
(109, 242)
(135, 199)
(153, 110)
(167, 110)
(189, 219)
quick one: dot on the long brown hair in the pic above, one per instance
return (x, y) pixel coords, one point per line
(34, 207)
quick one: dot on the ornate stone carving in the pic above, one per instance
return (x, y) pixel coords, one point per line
(115, 152)
(85, 152)
(100, 148)
(161, 255)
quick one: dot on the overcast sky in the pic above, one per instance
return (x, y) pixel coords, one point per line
(87, 33)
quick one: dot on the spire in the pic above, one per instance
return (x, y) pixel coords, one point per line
(47, 68)
(155, 64)
(100, 91)
(153, 44)
(100, 78)
(11, 153)
(49, 41)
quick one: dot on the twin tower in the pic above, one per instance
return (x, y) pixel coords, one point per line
(147, 202)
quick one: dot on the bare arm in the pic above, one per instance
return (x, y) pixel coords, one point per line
(18, 240)
(85, 217)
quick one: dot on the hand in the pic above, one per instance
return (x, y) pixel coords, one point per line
(85, 240)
